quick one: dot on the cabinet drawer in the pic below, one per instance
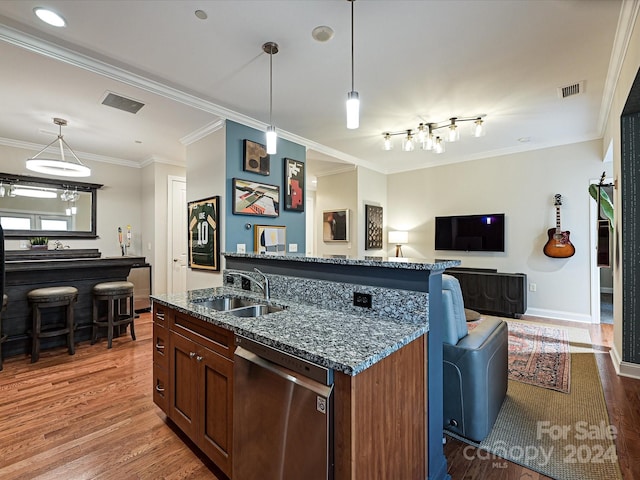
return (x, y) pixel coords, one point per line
(160, 345)
(161, 387)
(211, 336)
(161, 314)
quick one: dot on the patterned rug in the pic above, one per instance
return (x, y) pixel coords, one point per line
(538, 355)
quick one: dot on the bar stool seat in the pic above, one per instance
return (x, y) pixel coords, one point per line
(5, 300)
(49, 297)
(117, 295)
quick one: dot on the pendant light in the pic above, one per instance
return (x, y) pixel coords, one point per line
(272, 137)
(60, 166)
(353, 99)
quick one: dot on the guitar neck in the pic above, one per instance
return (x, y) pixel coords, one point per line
(558, 229)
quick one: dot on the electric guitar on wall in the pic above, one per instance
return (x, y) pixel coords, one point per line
(558, 245)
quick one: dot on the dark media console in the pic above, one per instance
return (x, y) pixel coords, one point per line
(488, 291)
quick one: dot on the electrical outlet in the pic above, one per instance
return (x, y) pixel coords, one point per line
(362, 300)
(293, 247)
(246, 284)
(533, 287)
(241, 248)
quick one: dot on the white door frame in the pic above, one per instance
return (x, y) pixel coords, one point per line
(170, 180)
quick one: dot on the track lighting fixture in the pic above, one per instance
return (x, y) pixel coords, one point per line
(428, 136)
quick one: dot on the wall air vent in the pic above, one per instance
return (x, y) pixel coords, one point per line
(571, 90)
(122, 103)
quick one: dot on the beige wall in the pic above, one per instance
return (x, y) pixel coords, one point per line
(206, 178)
(336, 192)
(522, 187)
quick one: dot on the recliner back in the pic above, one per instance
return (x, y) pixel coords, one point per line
(455, 321)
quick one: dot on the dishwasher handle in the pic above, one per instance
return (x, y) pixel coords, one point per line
(285, 373)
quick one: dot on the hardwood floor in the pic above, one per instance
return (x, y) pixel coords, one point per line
(91, 416)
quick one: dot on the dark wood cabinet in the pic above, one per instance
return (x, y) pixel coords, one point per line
(199, 388)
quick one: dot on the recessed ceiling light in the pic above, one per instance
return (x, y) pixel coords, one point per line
(201, 14)
(322, 33)
(50, 17)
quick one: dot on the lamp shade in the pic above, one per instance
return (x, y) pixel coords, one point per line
(398, 237)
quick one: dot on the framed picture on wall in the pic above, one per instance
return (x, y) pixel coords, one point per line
(335, 225)
(293, 185)
(270, 239)
(255, 198)
(373, 226)
(256, 159)
(203, 218)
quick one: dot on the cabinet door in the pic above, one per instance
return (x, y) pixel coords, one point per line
(183, 384)
(216, 408)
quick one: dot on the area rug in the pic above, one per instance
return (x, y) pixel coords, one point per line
(564, 436)
(538, 355)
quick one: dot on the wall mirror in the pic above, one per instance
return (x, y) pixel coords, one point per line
(46, 207)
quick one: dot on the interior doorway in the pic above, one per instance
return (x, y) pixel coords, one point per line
(176, 235)
(601, 271)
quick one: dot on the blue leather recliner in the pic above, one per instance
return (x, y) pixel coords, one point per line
(475, 367)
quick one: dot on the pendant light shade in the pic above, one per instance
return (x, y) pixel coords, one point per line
(353, 99)
(272, 137)
(53, 166)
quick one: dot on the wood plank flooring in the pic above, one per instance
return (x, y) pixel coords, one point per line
(91, 416)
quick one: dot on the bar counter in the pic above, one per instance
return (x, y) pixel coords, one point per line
(27, 270)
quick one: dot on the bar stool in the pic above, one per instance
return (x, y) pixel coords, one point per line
(116, 295)
(50, 297)
(5, 300)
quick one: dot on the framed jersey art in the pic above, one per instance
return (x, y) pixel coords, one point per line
(204, 234)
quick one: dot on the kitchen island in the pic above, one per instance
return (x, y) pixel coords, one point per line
(388, 422)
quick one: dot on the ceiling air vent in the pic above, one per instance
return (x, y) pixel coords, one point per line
(570, 90)
(122, 103)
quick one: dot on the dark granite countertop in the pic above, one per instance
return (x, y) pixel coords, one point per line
(344, 342)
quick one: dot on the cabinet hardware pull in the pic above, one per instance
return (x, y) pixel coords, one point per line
(160, 315)
(199, 358)
(159, 347)
(192, 354)
(159, 389)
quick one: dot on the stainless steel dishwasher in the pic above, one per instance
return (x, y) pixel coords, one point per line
(282, 415)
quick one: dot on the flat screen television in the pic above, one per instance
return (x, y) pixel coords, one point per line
(470, 233)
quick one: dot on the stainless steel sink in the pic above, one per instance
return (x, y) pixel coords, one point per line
(225, 303)
(240, 307)
(255, 310)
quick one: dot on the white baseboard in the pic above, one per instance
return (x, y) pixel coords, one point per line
(615, 358)
(559, 315)
(624, 369)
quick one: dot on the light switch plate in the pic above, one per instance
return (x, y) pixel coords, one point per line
(241, 248)
(293, 247)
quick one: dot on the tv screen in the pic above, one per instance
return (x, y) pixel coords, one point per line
(470, 233)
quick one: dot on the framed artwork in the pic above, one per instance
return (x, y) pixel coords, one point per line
(335, 225)
(270, 239)
(373, 225)
(204, 234)
(256, 159)
(255, 198)
(293, 185)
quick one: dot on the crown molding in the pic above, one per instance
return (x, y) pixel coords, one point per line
(624, 31)
(202, 132)
(33, 43)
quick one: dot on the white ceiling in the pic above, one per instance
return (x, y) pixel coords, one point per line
(415, 61)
